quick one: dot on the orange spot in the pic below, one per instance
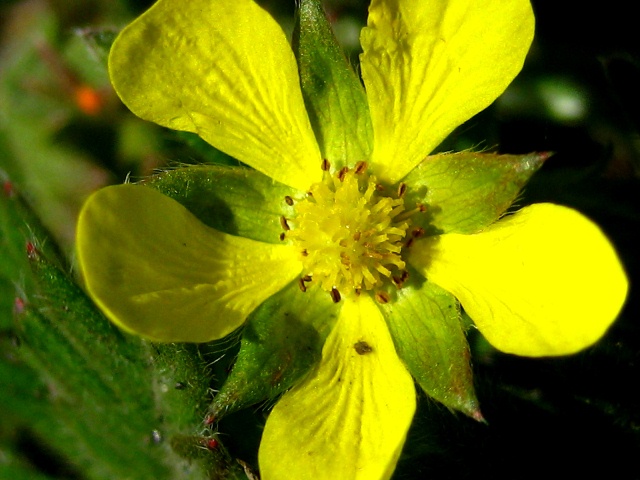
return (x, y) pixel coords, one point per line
(88, 99)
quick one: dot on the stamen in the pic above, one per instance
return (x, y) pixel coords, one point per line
(325, 165)
(409, 213)
(335, 295)
(417, 232)
(382, 297)
(288, 200)
(282, 236)
(360, 168)
(351, 232)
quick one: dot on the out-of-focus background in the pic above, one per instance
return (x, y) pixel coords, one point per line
(63, 134)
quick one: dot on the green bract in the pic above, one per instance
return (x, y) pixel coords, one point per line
(347, 249)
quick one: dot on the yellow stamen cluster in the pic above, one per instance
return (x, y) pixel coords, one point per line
(349, 232)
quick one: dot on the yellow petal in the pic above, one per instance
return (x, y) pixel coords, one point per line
(157, 271)
(430, 65)
(544, 281)
(225, 71)
(349, 418)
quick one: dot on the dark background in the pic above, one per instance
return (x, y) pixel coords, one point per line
(577, 96)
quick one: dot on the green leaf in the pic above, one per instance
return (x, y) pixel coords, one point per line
(465, 192)
(334, 97)
(283, 338)
(425, 325)
(234, 200)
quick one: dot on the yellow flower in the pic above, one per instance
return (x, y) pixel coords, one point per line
(366, 239)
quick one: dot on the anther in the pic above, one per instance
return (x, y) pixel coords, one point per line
(326, 165)
(343, 171)
(382, 297)
(409, 242)
(335, 295)
(282, 235)
(302, 286)
(399, 281)
(404, 215)
(417, 232)
(304, 252)
(307, 278)
(288, 200)
(284, 223)
(360, 168)
(402, 188)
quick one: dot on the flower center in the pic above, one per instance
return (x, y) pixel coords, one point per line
(351, 232)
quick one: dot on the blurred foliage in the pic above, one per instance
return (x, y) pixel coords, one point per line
(81, 400)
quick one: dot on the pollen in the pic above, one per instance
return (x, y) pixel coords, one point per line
(351, 233)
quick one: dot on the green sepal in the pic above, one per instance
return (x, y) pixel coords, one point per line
(281, 341)
(465, 192)
(425, 324)
(333, 94)
(235, 200)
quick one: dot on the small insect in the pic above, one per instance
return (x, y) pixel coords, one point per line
(362, 347)
(288, 200)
